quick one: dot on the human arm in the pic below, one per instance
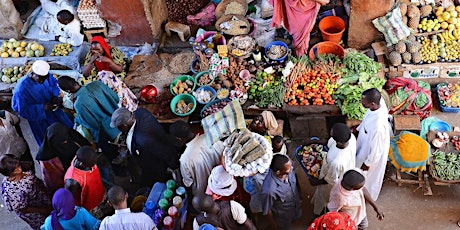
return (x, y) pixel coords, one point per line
(74, 187)
(90, 222)
(369, 200)
(116, 68)
(72, 34)
(378, 148)
(267, 203)
(239, 215)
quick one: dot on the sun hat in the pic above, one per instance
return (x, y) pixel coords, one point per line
(221, 182)
(41, 67)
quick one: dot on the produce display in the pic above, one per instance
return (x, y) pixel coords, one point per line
(214, 108)
(183, 107)
(222, 93)
(445, 166)
(312, 158)
(456, 142)
(204, 79)
(246, 153)
(266, 89)
(61, 50)
(449, 95)
(13, 74)
(313, 83)
(276, 51)
(203, 95)
(13, 48)
(407, 51)
(359, 74)
(183, 87)
(178, 10)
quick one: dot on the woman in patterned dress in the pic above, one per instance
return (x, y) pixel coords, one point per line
(23, 193)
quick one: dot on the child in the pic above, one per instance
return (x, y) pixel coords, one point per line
(350, 196)
(70, 29)
(278, 145)
(280, 196)
(23, 193)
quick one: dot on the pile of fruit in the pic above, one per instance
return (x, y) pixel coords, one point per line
(407, 51)
(312, 158)
(61, 50)
(456, 142)
(449, 95)
(313, 83)
(182, 107)
(13, 74)
(183, 87)
(13, 48)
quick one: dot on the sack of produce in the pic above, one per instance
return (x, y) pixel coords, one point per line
(392, 26)
(247, 153)
(409, 97)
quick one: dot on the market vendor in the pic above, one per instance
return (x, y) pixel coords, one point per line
(264, 124)
(70, 29)
(103, 57)
(49, 23)
(298, 17)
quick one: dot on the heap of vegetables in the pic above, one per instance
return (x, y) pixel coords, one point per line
(312, 158)
(313, 83)
(445, 166)
(359, 74)
(267, 89)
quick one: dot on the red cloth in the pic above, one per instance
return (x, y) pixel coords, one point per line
(105, 46)
(92, 190)
(298, 17)
(53, 174)
(333, 221)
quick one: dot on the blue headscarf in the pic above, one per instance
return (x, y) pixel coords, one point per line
(64, 207)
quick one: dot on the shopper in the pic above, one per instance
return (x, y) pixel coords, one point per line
(11, 139)
(36, 98)
(23, 193)
(340, 158)
(350, 196)
(68, 216)
(373, 141)
(221, 214)
(124, 219)
(197, 161)
(280, 196)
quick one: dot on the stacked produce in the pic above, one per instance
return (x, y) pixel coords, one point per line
(13, 48)
(61, 50)
(445, 166)
(449, 95)
(183, 87)
(312, 158)
(313, 83)
(267, 89)
(246, 153)
(359, 74)
(182, 107)
(178, 10)
(407, 51)
(12, 75)
(410, 14)
(214, 108)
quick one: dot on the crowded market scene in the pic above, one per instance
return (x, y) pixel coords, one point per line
(230, 114)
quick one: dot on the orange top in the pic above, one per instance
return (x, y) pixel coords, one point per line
(92, 190)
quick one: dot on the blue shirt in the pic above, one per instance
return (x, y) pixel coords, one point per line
(28, 100)
(82, 220)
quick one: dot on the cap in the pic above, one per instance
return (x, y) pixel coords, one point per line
(120, 116)
(221, 182)
(41, 67)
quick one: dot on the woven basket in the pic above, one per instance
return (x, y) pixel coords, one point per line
(240, 25)
(222, 7)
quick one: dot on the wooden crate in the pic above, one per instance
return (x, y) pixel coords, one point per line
(406, 122)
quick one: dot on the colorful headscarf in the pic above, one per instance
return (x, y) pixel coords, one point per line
(105, 46)
(64, 207)
(333, 221)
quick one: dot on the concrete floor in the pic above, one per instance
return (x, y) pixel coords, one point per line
(404, 207)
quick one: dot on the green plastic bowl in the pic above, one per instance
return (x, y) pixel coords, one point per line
(182, 78)
(201, 74)
(187, 98)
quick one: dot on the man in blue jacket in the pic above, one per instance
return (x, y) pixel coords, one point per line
(36, 98)
(151, 148)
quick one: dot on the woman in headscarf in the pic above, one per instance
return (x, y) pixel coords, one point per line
(103, 57)
(56, 153)
(264, 124)
(66, 215)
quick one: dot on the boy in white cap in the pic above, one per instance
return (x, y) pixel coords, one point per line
(36, 98)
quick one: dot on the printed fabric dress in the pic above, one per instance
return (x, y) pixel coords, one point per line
(27, 192)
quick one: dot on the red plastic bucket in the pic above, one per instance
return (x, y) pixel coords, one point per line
(332, 28)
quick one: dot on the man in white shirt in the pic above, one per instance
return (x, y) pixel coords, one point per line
(70, 28)
(198, 159)
(124, 219)
(373, 141)
(340, 158)
(48, 22)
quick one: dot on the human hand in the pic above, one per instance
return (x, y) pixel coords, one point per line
(103, 58)
(380, 215)
(322, 2)
(364, 167)
(94, 57)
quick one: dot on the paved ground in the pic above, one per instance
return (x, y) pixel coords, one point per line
(404, 207)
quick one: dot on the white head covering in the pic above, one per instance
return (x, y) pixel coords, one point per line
(41, 67)
(221, 182)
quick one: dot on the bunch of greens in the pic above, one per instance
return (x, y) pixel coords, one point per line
(355, 62)
(348, 94)
(272, 96)
(446, 166)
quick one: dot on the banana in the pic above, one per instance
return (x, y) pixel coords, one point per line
(441, 38)
(451, 36)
